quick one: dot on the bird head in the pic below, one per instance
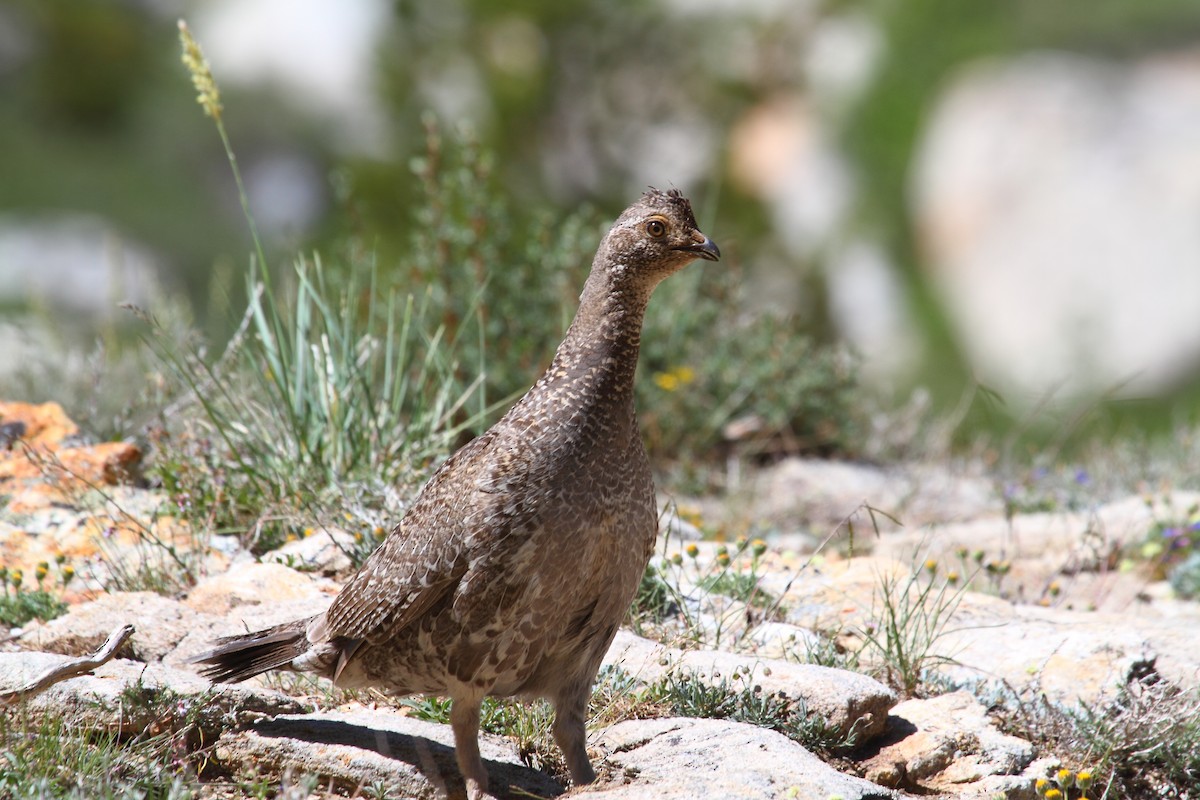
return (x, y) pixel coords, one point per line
(653, 238)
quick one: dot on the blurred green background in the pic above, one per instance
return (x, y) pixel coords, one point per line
(796, 128)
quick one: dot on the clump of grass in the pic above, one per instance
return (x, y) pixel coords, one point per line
(337, 378)
(49, 755)
(827, 650)
(686, 694)
(910, 614)
(1145, 742)
(336, 383)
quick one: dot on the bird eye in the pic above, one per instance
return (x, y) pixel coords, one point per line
(656, 228)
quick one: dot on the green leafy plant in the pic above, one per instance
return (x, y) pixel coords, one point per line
(1171, 541)
(22, 606)
(688, 695)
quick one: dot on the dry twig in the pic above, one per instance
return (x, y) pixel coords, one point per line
(69, 669)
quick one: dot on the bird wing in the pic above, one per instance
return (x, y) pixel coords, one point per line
(467, 507)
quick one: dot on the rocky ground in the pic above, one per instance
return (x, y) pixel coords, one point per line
(1038, 604)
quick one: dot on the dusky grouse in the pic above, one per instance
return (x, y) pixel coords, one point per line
(516, 563)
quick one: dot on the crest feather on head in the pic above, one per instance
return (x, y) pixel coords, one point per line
(672, 197)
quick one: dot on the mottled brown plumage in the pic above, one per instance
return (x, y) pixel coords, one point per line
(512, 569)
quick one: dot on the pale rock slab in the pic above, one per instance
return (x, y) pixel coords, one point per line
(845, 700)
(946, 743)
(253, 583)
(118, 697)
(819, 494)
(325, 552)
(159, 622)
(682, 759)
(1074, 549)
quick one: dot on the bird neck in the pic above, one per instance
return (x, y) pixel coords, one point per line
(600, 350)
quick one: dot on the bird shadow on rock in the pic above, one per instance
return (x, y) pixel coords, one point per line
(432, 760)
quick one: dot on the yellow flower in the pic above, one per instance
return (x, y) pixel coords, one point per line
(1065, 778)
(1084, 779)
(931, 566)
(308, 532)
(68, 572)
(676, 559)
(723, 559)
(1053, 794)
(673, 379)
(758, 547)
(40, 572)
(952, 578)
(692, 550)
(17, 577)
(1054, 588)
(1041, 786)
(666, 381)
(207, 93)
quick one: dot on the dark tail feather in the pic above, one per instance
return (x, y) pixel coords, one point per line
(236, 658)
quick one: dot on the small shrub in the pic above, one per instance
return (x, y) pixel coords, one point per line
(706, 365)
(1185, 577)
(690, 696)
(22, 607)
(1172, 541)
(1145, 742)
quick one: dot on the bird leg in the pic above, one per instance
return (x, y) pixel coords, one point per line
(464, 721)
(570, 732)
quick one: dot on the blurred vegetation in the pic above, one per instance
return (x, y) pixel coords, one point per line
(561, 101)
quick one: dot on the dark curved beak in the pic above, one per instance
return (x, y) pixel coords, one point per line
(702, 247)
